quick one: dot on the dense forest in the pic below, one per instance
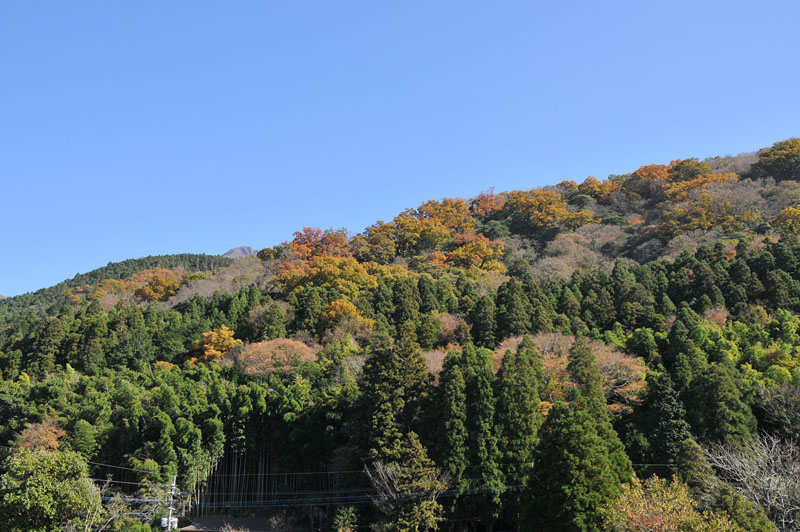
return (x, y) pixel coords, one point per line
(616, 355)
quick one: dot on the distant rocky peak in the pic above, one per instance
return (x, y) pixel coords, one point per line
(238, 253)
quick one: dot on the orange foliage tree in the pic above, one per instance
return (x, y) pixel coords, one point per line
(485, 203)
(43, 435)
(214, 344)
(280, 354)
(313, 242)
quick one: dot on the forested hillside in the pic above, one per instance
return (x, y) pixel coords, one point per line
(605, 355)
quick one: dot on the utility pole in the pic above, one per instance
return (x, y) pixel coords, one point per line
(171, 509)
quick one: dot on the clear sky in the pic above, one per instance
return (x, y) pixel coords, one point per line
(149, 127)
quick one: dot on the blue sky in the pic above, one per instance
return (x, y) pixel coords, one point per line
(139, 128)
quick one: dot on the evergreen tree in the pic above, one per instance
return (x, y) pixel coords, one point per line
(274, 323)
(483, 322)
(666, 426)
(406, 301)
(382, 298)
(467, 295)
(482, 453)
(572, 480)
(585, 374)
(427, 294)
(408, 488)
(517, 416)
(452, 420)
(718, 411)
(513, 310)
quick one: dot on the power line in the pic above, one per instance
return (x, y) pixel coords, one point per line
(344, 472)
(112, 481)
(353, 499)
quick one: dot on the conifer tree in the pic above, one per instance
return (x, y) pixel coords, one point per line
(513, 310)
(274, 323)
(408, 488)
(427, 294)
(467, 295)
(483, 322)
(452, 420)
(572, 478)
(584, 372)
(718, 411)
(482, 452)
(517, 416)
(406, 301)
(666, 426)
(382, 299)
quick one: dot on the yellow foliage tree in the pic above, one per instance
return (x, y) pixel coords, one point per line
(453, 213)
(660, 506)
(598, 189)
(788, 221)
(214, 344)
(413, 233)
(350, 277)
(477, 251)
(679, 190)
(534, 210)
(340, 310)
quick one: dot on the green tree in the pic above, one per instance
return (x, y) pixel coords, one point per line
(513, 310)
(585, 374)
(274, 323)
(452, 418)
(482, 452)
(406, 301)
(666, 425)
(517, 416)
(573, 478)
(408, 488)
(718, 411)
(427, 294)
(43, 491)
(483, 322)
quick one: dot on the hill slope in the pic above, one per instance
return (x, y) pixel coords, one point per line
(597, 330)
